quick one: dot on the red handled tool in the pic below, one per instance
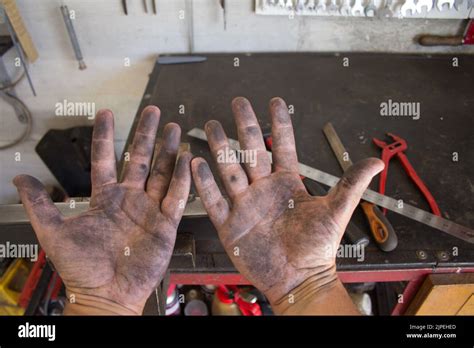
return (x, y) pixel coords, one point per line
(397, 149)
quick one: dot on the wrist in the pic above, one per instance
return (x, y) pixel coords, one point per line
(310, 291)
(86, 304)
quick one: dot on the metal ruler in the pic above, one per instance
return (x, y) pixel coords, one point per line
(369, 195)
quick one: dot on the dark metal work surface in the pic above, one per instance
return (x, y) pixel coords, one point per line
(321, 89)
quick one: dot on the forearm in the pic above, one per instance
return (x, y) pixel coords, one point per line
(318, 295)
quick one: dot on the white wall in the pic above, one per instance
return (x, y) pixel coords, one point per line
(107, 37)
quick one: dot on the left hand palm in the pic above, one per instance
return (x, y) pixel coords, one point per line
(120, 248)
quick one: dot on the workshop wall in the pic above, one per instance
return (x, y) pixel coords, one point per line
(108, 38)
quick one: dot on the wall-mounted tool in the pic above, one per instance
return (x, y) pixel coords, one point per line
(345, 8)
(397, 148)
(20, 38)
(428, 4)
(18, 48)
(382, 230)
(224, 13)
(458, 40)
(408, 7)
(358, 8)
(11, 12)
(73, 37)
(370, 9)
(169, 60)
(441, 4)
(144, 3)
(392, 204)
(190, 24)
(386, 10)
(124, 6)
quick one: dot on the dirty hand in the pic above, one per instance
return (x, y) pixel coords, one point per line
(111, 257)
(279, 237)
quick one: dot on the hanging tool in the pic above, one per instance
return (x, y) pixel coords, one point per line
(466, 39)
(357, 8)
(458, 5)
(424, 3)
(73, 37)
(333, 7)
(311, 5)
(124, 6)
(370, 9)
(345, 8)
(145, 6)
(224, 13)
(392, 204)
(300, 5)
(169, 60)
(440, 4)
(10, 9)
(153, 3)
(190, 24)
(353, 233)
(382, 230)
(386, 10)
(19, 50)
(397, 148)
(408, 6)
(321, 6)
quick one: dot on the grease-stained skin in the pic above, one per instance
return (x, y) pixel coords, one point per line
(277, 235)
(120, 248)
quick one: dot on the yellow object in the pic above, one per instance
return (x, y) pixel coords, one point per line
(11, 284)
(20, 30)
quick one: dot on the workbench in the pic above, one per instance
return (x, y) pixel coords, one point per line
(322, 88)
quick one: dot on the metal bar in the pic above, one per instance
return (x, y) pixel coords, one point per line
(73, 37)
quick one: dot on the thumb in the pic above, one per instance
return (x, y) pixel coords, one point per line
(44, 215)
(346, 194)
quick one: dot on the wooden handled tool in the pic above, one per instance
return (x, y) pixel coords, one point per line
(382, 231)
(435, 40)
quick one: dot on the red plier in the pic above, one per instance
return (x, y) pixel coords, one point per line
(396, 149)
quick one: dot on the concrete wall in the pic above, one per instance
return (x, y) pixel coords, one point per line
(108, 37)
